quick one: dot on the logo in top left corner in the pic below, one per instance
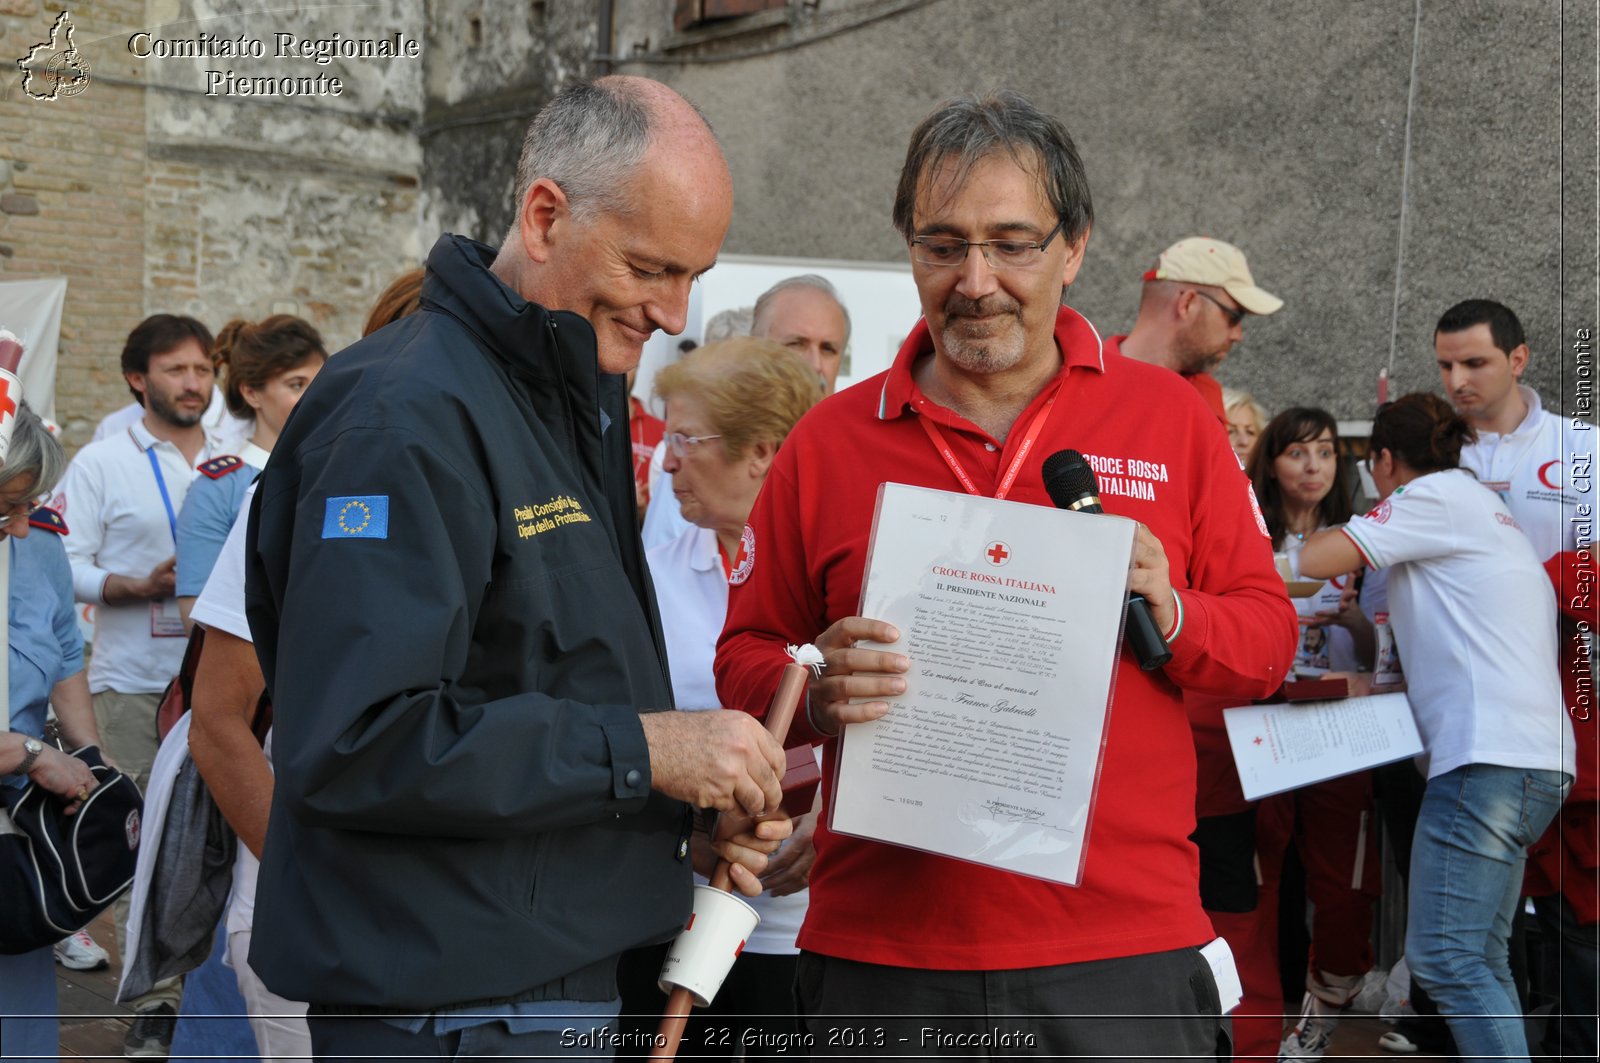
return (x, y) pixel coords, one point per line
(55, 68)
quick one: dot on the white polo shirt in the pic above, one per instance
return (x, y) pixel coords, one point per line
(1475, 621)
(692, 591)
(1543, 470)
(118, 523)
(663, 519)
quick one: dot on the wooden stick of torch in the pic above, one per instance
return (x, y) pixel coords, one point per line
(791, 685)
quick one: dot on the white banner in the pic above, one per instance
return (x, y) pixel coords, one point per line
(31, 309)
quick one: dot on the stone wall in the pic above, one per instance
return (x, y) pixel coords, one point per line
(304, 204)
(491, 66)
(1377, 159)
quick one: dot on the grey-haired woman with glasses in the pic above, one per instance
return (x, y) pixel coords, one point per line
(46, 668)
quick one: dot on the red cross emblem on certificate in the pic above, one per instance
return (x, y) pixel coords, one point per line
(997, 552)
(1257, 740)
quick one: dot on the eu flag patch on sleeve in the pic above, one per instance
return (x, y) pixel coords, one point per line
(356, 517)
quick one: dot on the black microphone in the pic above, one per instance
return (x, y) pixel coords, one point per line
(1071, 484)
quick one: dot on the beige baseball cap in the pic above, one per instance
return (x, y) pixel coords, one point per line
(1202, 260)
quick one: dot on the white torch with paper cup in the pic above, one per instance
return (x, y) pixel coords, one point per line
(720, 923)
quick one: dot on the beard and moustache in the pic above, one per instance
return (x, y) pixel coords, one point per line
(1197, 354)
(167, 408)
(984, 347)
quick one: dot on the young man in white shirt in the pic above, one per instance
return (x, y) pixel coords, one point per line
(120, 498)
(1542, 465)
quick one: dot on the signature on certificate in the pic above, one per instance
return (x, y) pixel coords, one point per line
(1012, 830)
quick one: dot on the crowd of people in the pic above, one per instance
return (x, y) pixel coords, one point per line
(483, 646)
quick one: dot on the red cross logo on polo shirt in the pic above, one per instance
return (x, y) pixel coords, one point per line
(997, 553)
(8, 405)
(744, 561)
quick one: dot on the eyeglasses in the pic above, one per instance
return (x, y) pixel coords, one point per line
(19, 510)
(1235, 314)
(680, 443)
(946, 252)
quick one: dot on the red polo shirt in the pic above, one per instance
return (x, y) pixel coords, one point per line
(1207, 385)
(1160, 460)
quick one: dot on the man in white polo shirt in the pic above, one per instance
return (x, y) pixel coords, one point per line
(120, 498)
(1543, 467)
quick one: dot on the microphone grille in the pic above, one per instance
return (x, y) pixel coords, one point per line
(1068, 478)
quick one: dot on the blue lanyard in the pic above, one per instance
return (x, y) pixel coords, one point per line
(166, 499)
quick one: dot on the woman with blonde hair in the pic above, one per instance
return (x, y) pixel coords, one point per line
(729, 407)
(1246, 418)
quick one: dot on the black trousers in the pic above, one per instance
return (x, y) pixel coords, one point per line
(753, 1015)
(1160, 1006)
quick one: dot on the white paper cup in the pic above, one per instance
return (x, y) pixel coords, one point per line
(703, 953)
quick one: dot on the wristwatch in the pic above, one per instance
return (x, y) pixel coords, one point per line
(31, 748)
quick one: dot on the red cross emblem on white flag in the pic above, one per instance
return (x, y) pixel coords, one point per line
(10, 389)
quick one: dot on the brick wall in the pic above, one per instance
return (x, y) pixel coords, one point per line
(150, 197)
(72, 187)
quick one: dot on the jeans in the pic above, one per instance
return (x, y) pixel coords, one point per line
(29, 1030)
(582, 1036)
(211, 1019)
(1467, 858)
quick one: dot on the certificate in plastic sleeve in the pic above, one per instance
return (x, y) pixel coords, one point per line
(1011, 615)
(1285, 746)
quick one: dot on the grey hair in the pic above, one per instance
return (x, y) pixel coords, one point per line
(589, 140)
(805, 280)
(969, 129)
(33, 450)
(726, 324)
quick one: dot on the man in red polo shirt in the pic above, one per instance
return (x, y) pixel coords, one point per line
(937, 952)
(1192, 311)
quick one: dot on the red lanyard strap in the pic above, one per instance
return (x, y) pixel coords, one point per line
(1035, 426)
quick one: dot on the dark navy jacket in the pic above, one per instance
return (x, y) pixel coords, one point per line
(452, 610)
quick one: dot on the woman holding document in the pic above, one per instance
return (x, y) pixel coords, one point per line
(1474, 617)
(1295, 471)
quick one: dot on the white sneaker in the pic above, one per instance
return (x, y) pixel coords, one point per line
(1395, 1041)
(79, 952)
(1313, 1033)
